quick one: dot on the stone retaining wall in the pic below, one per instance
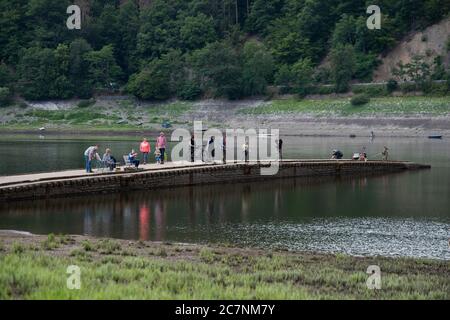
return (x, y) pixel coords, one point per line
(189, 176)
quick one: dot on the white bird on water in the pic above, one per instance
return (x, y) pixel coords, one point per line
(42, 129)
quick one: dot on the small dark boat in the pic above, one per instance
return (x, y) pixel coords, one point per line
(435, 137)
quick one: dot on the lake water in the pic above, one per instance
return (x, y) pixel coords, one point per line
(405, 214)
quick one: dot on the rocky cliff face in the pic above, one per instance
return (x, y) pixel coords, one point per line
(430, 43)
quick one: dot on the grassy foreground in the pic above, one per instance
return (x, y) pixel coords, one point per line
(35, 268)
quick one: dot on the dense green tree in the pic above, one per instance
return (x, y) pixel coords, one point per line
(284, 76)
(303, 75)
(438, 72)
(6, 76)
(104, 73)
(418, 70)
(46, 22)
(79, 68)
(34, 72)
(345, 31)
(262, 13)
(126, 46)
(342, 66)
(151, 83)
(12, 29)
(218, 69)
(257, 69)
(160, 79)
(142, 32)
(287, 44)
(159, 31)
(39, 73)
(62, 87)
(197, 31)
(5, 96)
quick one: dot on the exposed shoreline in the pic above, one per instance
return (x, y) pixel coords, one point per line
(386, 117)
(190, 271)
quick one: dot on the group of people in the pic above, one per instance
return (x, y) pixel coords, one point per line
(91, 154)
(211, 152)
(361, 156)
(110, 162)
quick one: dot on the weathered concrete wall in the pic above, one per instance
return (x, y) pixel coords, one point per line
(188, 176)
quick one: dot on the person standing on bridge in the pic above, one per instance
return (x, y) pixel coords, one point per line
(90, 154)
(280, 148)
(145, 149)
(385, 154)
(245, 148)
(192, 145)
(161, 143)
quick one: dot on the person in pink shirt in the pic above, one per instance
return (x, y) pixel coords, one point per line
(145, 149)
(161, 144)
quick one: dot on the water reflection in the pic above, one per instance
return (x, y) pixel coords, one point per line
(399, 214)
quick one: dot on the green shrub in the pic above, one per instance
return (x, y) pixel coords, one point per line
(392, 85)
(435, 88)
(18, 248)
(108, 246)
(46, 114)
(5, 96)
(372, 90)
(286, 90)
(86, 103)
(23, 105)
(360, 99)
(322, 90)
(189, 91)
(87, 245)
(50, 243)
(408, 87)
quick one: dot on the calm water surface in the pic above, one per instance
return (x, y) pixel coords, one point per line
(406, 214)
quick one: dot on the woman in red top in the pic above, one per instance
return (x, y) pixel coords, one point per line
(145, 149)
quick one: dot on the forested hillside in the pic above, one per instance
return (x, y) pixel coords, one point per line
(191, 48)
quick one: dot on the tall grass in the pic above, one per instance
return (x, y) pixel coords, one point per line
(208, 273)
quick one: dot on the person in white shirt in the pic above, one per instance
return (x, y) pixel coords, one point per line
(90, 154)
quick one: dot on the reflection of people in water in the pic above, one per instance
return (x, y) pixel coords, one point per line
(160, 221)
(245, 200)
(144, 223)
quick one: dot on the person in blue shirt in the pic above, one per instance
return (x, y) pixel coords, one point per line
(132, 157)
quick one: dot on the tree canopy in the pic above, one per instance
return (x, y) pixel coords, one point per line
(186, 48)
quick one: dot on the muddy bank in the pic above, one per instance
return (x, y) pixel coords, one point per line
(324, 117)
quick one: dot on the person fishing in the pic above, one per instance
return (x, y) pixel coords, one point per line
(90, 154)
(245, 148)
(337, 155)
(280, 148)
(211, 149)
(385, 154)
(192, 148)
